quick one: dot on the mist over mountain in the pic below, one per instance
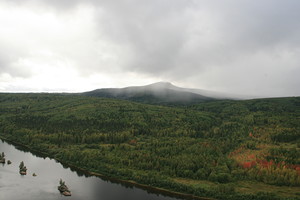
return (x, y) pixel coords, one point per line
(159, 93)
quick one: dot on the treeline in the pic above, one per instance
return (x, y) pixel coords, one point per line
(155, 145)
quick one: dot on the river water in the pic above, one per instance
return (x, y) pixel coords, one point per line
(14, 186)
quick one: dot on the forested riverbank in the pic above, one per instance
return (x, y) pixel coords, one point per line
(48, 172)
(220, 149)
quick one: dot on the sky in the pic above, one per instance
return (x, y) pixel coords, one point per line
(249, 47)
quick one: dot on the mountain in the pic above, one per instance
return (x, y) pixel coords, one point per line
(156, 93)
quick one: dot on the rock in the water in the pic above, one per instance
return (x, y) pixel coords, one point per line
(33, 174)
(64, 190)
(65, 193)
(23, 172)
(8, 162)
(2, 158)
(23, 168)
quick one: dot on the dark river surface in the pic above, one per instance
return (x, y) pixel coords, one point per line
(14, 186)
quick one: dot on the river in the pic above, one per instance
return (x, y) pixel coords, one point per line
(14, 186)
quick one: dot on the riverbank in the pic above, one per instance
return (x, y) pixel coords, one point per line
(127, 183)
(49, 173)
(169, 186)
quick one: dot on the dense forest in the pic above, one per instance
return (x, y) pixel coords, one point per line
(223, 149)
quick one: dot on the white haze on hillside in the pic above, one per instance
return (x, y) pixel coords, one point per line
(246, 47)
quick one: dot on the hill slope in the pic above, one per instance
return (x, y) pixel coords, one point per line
(157, 93)
(221, 149)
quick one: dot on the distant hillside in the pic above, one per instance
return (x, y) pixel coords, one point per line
(157, 93)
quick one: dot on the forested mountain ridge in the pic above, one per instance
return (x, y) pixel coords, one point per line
(162, 93)
(223, 149)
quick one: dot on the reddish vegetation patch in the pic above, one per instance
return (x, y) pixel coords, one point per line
(269, 164)
(246, 165)
(296, 167)
(265, 163)
(247, 159)
(260, 163)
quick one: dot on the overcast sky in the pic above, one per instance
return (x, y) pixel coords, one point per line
(247, 47)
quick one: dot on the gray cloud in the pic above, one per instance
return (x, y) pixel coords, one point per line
(232, 45)
(199, 35)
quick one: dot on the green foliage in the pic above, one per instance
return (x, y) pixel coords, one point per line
(286, 135)
(21, 166)
(154, 144)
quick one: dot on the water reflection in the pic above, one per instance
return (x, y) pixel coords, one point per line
(44, 185)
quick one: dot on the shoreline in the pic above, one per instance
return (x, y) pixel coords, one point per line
(131, 183)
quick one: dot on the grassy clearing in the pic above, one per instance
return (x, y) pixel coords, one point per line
(246, 187)
(201, 183)
(251, 187)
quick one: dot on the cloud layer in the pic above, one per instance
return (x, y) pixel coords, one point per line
(247, 47)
